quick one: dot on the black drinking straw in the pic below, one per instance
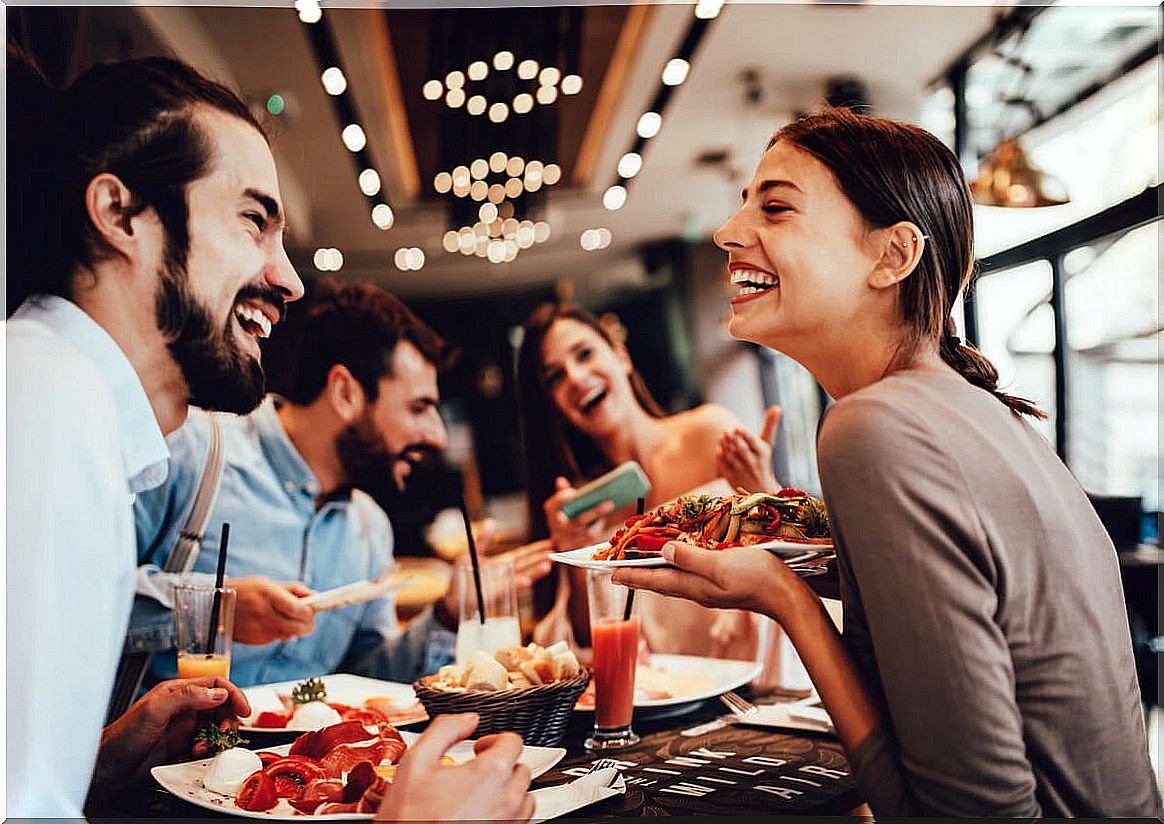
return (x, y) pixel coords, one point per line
(630, 596)
(473, 556)
(218, 579)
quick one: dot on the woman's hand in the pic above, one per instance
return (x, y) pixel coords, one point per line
(741, 578)
(589, 528)
(491, 786)
(745, 460)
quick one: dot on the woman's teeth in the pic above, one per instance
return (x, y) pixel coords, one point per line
(752, 281)
(253, 321)
(591, 400)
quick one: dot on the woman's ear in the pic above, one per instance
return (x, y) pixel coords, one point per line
(345, 394)
(900, 249)
(623, 356)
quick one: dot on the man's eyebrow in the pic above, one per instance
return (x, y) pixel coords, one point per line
(269, 204)
(768, 185)
(427, 400)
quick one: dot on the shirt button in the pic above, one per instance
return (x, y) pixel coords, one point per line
(289, 486)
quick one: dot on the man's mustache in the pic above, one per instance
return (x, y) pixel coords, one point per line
(266, 294)
(418, 453)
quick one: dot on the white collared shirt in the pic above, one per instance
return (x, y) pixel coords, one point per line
(82, 439)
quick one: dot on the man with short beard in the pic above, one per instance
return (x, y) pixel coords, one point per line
(362, 408)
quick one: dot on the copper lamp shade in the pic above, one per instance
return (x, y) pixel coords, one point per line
(1008, 178)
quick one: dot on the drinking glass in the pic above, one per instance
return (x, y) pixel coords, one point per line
(194, 612)
(502, 627)
(614, 641)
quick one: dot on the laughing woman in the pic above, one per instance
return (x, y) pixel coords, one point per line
(986, 667)
(586, 410)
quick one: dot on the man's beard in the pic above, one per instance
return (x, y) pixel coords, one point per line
(367, 463)
(218, 375)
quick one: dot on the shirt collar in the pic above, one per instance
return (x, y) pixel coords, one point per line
(279, 449)
(143, 448)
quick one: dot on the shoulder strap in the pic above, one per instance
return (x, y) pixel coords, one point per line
(185, 550)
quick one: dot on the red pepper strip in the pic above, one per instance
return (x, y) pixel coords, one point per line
(652, 542)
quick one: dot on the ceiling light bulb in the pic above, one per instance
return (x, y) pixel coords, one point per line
(547, 94)
(321, 259)
(708, 9)
(498, 112)
(514, 167)
(460, 190)
(335, 259)
(510, 250)
(309, 10)
(509, 227)
(571, 84)
(478, 70)
(497, 161)
(442, 182)
(532, 184)
(614, 197)
(334, 82)
(527, 69)
(523, 103)
(549, 76)
(589, 240)
(675, 72)
(496, 193)
(505, 209)
(415, 259)
(503, 60)
(513, 188)
(525, 236)
(552, 174)
(496, 251)
(354, 137)
(629, 164)
(467, 241)
(451, 240)
(479, 168)
(479, 190)
(534, 170)
(433, 90)
(541, 231)
(401, 259)
(487, 212)
(476, 105)
(649, 124)
(455, 79)
(369, 182)
(382, 216)
(461, 176)
(455, 98)
(604, 237)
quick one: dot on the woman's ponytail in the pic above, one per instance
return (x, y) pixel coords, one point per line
(978, 370)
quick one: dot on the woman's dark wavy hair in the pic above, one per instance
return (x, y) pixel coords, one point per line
(133, 119)
(891, 172)
(552, 446)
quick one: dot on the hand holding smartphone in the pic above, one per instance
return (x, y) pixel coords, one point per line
(621, 485)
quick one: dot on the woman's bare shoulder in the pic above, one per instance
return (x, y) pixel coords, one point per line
(708, 418)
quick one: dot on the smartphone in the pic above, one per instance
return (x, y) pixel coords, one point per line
(622, 485)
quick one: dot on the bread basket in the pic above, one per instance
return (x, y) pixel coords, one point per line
(539, 714)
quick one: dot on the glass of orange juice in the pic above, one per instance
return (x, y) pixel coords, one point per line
(204, 620)
(614, 641)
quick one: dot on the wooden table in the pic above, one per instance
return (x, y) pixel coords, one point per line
(695, 763)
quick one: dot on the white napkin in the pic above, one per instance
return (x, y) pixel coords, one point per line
(797, 716)
(357, 592)
(553, 802)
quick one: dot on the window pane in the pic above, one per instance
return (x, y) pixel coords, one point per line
(1113, 319)
(1016, 332)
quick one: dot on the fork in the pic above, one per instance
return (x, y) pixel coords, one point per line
(740, 707)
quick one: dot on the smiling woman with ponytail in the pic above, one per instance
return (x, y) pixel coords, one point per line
(986, 666)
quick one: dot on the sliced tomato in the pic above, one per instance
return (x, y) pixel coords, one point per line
(272, 719)
(652, 542)
(292, 773)
(365, 715)
(257, 793)
(266, 756)
(790, 492)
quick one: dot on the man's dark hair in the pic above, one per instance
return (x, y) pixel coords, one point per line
(356, 325)
(133, 119)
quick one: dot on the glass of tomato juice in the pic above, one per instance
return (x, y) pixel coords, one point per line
(204, 624)
(614, 641)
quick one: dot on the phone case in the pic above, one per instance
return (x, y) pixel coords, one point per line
(623, 484)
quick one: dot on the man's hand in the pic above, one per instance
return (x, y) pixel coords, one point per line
(267, 610)
(160, 729)
(745, 460)
(491, 786)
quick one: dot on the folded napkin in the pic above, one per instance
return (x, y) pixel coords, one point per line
(357, 592)
(796, 716)
(553, 802)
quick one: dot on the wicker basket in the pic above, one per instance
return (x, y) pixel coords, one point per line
(539, 714)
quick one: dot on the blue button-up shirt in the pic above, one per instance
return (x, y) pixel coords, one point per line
(268, 495)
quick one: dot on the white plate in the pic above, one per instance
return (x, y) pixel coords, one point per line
(791, 552)
(725, 674)
(342, 688)
(185, 781)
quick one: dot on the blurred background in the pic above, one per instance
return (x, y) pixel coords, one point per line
(478, 161)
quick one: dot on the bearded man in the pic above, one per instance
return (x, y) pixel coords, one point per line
(361, 408)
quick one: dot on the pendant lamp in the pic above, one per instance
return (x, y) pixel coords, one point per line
(1008, 178)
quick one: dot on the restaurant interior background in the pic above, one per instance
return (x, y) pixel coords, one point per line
(627, 131)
